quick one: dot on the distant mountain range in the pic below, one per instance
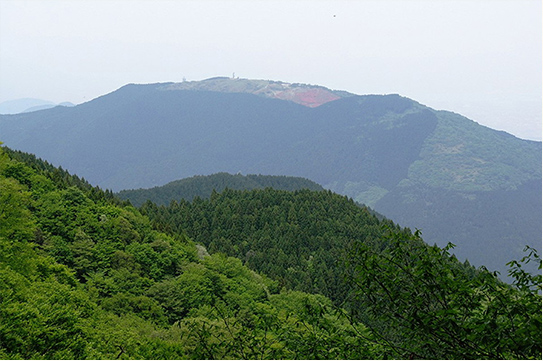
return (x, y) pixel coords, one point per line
(454, 179)
(26, 105)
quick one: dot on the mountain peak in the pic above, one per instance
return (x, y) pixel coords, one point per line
(308, 95)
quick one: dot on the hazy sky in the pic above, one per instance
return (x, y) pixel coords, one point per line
(479, 58)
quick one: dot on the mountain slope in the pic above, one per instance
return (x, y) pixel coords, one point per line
(83, 276)
(86, 276)
(203, 186)
(299, 238)
(320, 241)
(386, 151)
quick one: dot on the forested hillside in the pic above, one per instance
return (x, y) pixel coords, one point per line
(203, 186)
(412, 296)
(84, 275)
(426, 169)
(300, 238)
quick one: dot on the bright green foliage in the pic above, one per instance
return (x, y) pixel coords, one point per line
(15, 219)
(42, 318)
(83, 277)
(291, 325)
(41, 311)
(321, 331)
(421, 304)
(462, 155)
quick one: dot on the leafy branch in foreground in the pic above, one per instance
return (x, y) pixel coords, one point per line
(420, 302)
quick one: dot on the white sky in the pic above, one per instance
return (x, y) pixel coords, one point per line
(479, 58)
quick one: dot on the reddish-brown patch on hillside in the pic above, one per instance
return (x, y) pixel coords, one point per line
(310, 97)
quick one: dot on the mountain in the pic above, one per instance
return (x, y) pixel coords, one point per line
(47, 106)
(28, 105)
(203, 186)
(438, 171)
(21, 105)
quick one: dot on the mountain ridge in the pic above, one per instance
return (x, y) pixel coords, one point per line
(204, 186)
(25, 105)
(386, 151)
(304, 94)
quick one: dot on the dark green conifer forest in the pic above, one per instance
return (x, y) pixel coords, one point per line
(203, 186)
(260, 274)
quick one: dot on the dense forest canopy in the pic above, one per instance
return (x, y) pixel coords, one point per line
(203, 186)
(84, 275)
(298, 238)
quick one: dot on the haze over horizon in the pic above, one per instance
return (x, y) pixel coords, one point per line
(478, 58)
